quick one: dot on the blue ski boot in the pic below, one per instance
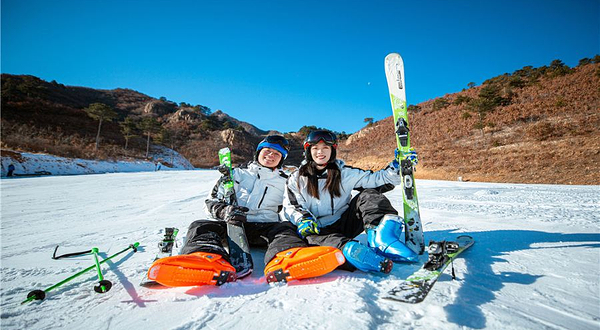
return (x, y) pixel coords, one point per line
(385, 238)
(366, 259)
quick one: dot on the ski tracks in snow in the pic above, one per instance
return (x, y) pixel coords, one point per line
(535, 263)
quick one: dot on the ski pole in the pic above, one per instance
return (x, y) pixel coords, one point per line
(55, 257)
(41, 294)
(103, 285)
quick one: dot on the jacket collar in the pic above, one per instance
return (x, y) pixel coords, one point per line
(255, 167)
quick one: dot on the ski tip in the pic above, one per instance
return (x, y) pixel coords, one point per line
(392, 57)
(465, 239)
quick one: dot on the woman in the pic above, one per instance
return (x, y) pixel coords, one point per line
(318, 201)
(259, 186)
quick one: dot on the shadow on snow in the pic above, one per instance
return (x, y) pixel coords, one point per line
(480, 282)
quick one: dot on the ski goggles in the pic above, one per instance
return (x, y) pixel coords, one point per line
(276, 142)
(278, 139)
(321, 135)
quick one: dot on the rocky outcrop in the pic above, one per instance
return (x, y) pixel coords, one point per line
(159, 108)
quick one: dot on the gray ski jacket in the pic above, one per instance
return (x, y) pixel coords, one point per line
(256, 187)
(326, 210)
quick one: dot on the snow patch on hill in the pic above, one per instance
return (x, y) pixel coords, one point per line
(30, 164)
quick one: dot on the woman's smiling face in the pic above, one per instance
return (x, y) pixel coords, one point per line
(321, 153)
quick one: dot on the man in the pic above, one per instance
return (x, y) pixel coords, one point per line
(259, 188)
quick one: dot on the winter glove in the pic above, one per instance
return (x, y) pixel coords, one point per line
(234, 214)
(400, 155)
(308, 226)
(224, 170)
(412, 156)
(223, 211)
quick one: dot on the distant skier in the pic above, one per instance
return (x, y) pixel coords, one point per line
(11, 169)
(259, 188)
(318, 200)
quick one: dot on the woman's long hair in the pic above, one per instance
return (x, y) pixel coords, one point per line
(333, 183)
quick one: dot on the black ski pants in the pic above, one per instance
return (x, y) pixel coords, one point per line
(210, 235)
(365, 211)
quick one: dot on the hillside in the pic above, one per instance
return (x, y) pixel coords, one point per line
(40, 116)
(544, 130)
(536, 125)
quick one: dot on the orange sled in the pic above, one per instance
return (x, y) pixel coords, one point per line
(303, 262)
(199, 268)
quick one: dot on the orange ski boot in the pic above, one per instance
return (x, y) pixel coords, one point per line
(198, 268)
(303, 262)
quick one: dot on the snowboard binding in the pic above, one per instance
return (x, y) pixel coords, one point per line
(438, 253)
(166, 245)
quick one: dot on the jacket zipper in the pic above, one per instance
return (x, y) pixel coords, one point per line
(263, 197)
(332, 205)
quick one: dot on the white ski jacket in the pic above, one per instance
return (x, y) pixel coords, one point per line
(326, 210)
(256, 187)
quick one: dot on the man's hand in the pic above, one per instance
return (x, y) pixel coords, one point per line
(234, 214)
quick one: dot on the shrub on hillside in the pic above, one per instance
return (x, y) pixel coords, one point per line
(414, 108)
(440, 103)
(461, 99)
(543, 130)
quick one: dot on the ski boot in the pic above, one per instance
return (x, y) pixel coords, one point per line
(198, 268)
(385, 238)
(366, 259)
(303, 262)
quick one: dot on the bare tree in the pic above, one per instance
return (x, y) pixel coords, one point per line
(100, 112)
(150, 126)
(129, 128)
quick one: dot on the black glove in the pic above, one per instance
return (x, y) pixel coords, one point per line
(224, 170)
(234, 214)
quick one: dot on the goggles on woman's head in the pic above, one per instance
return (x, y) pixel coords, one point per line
(321, 135)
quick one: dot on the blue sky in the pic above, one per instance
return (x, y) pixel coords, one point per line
(284, 64)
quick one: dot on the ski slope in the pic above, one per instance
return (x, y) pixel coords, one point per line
(535, 263)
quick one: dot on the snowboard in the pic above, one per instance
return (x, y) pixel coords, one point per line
(441, 254)
(394, 73)
(239, 249)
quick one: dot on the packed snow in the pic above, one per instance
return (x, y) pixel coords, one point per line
(535, 263)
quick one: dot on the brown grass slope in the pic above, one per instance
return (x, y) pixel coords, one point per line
(549, 133)
(40, 116)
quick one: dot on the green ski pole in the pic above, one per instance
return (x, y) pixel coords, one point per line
(103, 285)
(41, 294)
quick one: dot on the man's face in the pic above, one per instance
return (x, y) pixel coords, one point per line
(268, 157)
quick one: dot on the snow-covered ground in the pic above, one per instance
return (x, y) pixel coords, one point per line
(535, 265)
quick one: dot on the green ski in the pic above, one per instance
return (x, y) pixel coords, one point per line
(441, 254)
(165, 249)
(394, 72)
(239, 249)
